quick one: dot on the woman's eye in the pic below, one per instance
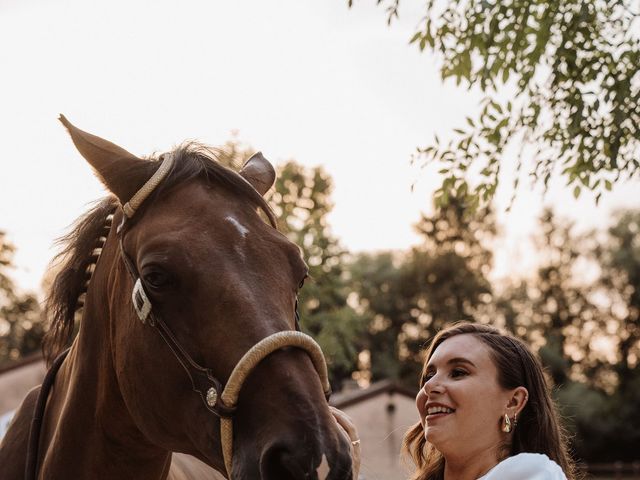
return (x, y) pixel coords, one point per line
(427, 377)
(458, 372)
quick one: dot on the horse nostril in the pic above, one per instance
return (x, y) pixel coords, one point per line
(278, 463)
(341, 466)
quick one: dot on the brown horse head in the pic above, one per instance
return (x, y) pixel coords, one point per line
(219, 279)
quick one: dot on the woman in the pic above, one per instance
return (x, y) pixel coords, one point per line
(485, 411)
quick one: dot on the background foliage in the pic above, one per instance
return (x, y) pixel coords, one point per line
(373, 313)
(301, 200)
(21, 329)
(561, 83)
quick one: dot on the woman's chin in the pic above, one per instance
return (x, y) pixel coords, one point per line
(443, 439)
(434, 436)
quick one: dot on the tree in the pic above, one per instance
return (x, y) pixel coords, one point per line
(621, 278)
(301, 201)
(556, 312)
(581, 312)
(21, 329)
(559, 78)
(385, 295)
(411, 296)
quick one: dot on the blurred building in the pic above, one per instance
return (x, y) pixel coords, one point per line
(15, 382)
(382, 413)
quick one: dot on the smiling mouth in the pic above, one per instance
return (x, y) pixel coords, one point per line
(434, 412)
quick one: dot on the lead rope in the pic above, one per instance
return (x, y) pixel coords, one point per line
(31, 465)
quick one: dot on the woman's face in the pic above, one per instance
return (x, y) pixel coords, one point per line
(461, 404)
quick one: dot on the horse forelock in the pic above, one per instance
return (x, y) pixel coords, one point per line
(191, 160)
(195, 160)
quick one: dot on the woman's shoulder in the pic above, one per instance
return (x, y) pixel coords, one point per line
(526, 466)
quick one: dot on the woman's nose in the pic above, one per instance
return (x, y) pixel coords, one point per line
(433, 385)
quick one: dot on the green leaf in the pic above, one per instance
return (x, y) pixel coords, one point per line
(576, 191)
(505, 75)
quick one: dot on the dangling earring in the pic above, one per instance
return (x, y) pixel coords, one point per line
(506, 428)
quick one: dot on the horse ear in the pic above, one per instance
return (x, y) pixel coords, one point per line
(259, 172)
(121, 172)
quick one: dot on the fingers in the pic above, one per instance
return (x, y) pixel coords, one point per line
(349, 430)
(345, 422)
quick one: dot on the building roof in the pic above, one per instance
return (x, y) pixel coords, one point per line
(346, 398)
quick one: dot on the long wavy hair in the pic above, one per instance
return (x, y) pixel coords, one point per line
(538, 430)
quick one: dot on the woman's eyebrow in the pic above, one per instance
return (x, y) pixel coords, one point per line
(460, 360)
(451, 361)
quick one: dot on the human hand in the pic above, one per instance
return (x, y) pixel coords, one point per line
(348, 429)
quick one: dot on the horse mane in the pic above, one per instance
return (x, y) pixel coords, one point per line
(78, 246)
(72, 262)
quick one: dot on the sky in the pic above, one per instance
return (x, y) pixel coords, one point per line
(312, 81)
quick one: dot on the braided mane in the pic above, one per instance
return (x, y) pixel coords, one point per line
(76, 259)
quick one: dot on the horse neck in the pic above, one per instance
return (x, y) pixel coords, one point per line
(88, 430)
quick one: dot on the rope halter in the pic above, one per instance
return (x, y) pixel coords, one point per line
(219, 399)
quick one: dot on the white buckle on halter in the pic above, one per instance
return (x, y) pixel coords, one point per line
(141, 302)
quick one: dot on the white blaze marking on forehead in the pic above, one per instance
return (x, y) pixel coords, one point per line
(244, 231)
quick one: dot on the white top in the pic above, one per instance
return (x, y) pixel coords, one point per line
(5, 420)
(525, 466)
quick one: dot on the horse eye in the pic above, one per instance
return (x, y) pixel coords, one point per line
(302, 281)
(156, 278)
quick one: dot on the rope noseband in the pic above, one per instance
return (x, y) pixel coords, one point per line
(249, 361)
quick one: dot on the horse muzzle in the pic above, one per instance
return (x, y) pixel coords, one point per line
(285, 456)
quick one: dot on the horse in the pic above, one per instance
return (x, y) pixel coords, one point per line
(187, 361)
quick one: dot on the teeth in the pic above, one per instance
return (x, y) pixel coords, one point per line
(432, 410)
